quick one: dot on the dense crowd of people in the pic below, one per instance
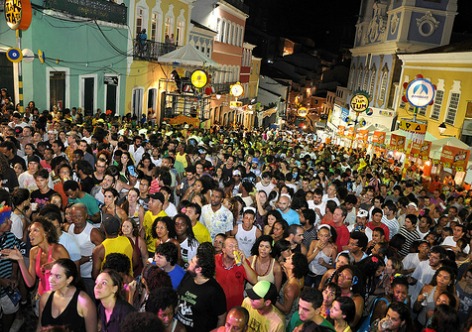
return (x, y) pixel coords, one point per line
(114, 224)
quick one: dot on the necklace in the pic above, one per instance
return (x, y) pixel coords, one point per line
(267, 271)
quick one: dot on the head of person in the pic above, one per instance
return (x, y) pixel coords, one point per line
(349, 277)
(343, 308)
(64, 273)
(444, 277)
(279, 229)
(111, 225)
(331, 291)
(163, 227)
(298, 264)
(399, 289)
(339, 215)
(436, 255)
(108, 285)
(445, 318)
(263, 246)
(400, 316)
(203, 263)
(142, 321)
(237, 320)
(166, 254)
(117, 262)
(295, 233)
(263, 295)
(163, 302)
(357, 240)
(309, 303)
(129, 227)
(42, 230)
(153, 277)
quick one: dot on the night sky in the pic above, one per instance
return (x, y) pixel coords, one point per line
(330, 23)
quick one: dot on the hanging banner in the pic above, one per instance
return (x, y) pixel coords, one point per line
(397, 142)
(349, 133)
(362, 135)
(416, 129)
(341, 130)
(379, 138)
(454, 158)
(421, 150)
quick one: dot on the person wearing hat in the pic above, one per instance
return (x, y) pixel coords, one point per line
(360, 224)
(260, 303)
(155, 205)
(113, 243)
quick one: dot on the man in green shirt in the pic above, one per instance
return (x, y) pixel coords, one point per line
(309, 309)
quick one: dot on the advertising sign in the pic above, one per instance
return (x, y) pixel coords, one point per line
(420, 92)
(421, 150)
(397, 142)
(454, 158)
(379, 138)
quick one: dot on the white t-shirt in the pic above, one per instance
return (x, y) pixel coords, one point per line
(449, 241)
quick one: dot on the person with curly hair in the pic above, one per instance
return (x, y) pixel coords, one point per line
(163, 302)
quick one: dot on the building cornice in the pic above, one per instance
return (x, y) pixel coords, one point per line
(439, 58)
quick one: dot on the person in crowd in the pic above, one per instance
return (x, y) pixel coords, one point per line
(397, 319)
(110, 205)
(263, 262)
(279, 230)
(342, 313)
(67, 304)
(202, 302)
(321, 255)
(45, 250)
(237, 319)
(284, 207)
(215, 217)
(129, 228)
(112, 309)
(162, 302)
(166, 258)
(75, 195)
(341, 260)
(152, 278)
(263, 314)
(246, 233)
(155, 211)
(185, 237)
(352, 285)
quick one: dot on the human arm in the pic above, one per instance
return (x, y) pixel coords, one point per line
(143, 250)
(28, 273)
(379, 311)
(359, 304)
(96, 237)
(87, 309)
(417, 306)
(234, 231)
(291, 292)
(277, 275)
(251, 275)
(98, 256)
(42, 302)
(313, 250)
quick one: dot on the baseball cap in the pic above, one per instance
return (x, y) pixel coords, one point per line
(236, 172)
(413, 204)
(111, 224)
(202, 151)
(362, 213)
(263, 290)
(33, 159)
(158, 196)
(255, 160)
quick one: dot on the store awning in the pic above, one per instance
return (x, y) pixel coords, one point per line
(188, 55)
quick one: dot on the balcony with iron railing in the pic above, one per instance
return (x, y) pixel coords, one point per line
(101, 10)
(150, 50)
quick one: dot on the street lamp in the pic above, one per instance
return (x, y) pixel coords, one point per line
(442, 129)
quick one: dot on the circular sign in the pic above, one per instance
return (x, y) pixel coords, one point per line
(237, 89)
(420, 92)
(14, 55)
(359, 102)
(199, 78)
(302, 111)
(18, 14)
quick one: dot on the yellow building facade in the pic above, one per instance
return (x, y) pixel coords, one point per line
(167, 25)
(451, 73)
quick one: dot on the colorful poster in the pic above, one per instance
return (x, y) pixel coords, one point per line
(420, 150)
(379, 137)
(341, 130)
(416, 129)
(397, 142)
(362, 135)
(454, 158)
(349, 133)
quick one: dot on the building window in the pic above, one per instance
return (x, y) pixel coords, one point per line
(154, 19)
(180, 33)
(422, 111)
(57, 89)
(169, 27)
(139, 20)
(222, 32)
(438, 99)
(452, 107)
(218, 29)
(372, 81)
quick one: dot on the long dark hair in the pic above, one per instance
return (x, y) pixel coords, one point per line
(192, 242)
(70, 270)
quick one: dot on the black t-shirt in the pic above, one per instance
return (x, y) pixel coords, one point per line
(200, 305)
(9, 179)
(41, 199)
(17, 159)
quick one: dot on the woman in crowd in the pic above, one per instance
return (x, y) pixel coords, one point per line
(321, 255)
(140, 253)
(352, 285)
(163, 230)
(152, 278)
(197, 193)
(342, 313)
(163, 301)
(372, 268)
(464, 293)
(328, 276)
(262, 208)
(393, 266)
(295, 269)
(443, 280)
(112, 309)
(262, 262)
(67, 304)
(145, 165)
(279, 230)
(218, 243)
(185, 237)
(45, 251)
(271, 217)
(444, 319)
(110, 206)
(133, 209)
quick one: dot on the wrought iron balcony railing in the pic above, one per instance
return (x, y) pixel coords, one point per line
(151, 50)
(102, 10)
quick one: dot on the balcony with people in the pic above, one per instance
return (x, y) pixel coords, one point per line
(149, 50)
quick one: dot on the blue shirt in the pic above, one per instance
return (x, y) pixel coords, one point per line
(291, 217)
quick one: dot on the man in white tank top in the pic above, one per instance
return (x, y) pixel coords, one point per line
(246, 233)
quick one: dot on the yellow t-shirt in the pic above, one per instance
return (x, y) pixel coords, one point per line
(147, 224)
(201, 233)
(120, 245)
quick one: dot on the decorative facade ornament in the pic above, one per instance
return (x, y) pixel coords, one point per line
(394, 23)
(427, 24)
